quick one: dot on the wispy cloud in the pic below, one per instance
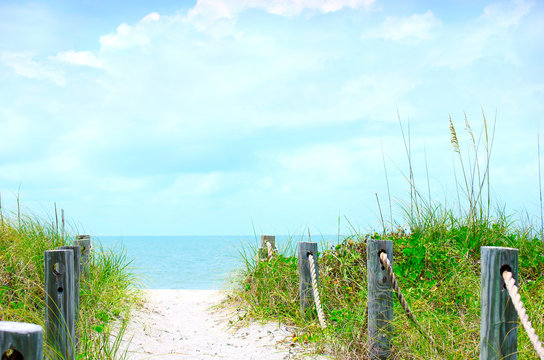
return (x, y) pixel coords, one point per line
(464, 44)
(125, 36)
(232, 104)
(206, 13)
(415, 27)
(83, 58)
(24, 64)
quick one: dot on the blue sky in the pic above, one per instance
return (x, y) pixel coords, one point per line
(214, 117)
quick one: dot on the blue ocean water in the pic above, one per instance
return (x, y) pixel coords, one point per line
(189, 262)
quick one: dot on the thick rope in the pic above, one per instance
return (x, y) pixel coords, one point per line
(384, 260)
(270, 249)
(518, 304)
(320, 314)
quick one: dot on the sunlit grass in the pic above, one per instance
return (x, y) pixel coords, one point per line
(107, 291)
(437, 263)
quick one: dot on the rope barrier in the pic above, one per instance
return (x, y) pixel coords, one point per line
(384, 260)
(518, 304)
(320, 314)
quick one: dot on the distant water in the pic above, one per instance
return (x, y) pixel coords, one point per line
(187, 262)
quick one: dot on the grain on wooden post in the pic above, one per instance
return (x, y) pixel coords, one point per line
(77, 269)
(499, 319)
(380, 299)
(304, 276)
(84, 242)
(24, 341)
(60, 303)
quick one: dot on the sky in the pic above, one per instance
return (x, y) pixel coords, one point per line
(230, 117)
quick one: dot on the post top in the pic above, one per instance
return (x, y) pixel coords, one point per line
(19, 327)
(497, 248)
(59, 251)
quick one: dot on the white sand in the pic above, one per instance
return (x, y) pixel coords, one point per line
(180, 324)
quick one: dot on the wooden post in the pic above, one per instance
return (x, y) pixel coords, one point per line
(304, 277)
(263, 249)
(380, 299)
(499, 319)
(84, 242)
(21, 340)
(60, 303)
(77, 269)
(268, 238)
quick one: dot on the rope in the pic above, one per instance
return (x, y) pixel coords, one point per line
(384, 260)
(518, 304)
(320, 314)
(270, 250)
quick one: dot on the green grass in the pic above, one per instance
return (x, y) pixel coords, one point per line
(107, 292)
(436, 261)
(438, 270)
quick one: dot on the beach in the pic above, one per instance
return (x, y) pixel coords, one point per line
(188, 324)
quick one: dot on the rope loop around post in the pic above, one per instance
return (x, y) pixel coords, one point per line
(270, 249)
(384, 260)
(513, 291)
(315, 290)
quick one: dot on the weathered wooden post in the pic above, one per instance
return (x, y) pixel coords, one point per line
(264, 252)
(499, 319)
(21, 341)
(60, 303)
(77, 269)
(380, 299)
(304, 275)
(84, 242)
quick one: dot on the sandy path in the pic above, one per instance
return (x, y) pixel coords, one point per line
(179, 324)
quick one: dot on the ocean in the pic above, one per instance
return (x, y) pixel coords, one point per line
(191, 262)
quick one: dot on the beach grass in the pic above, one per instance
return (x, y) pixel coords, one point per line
(436, 261)
(107, 291)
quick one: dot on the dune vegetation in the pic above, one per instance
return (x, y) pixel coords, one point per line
(436, 261)
(107, 291)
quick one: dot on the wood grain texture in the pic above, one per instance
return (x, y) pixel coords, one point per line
(26, 339)
(304, 276)
(380, 300)
(84, 242)
(76, 250)
(60, 302)
(499, 319)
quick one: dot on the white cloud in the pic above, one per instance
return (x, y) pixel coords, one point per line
(295, 7)
(415, 27)
(487, 35)
(25, 65)
(266, 115)
(151, 17)
(125, 36)
(207, 12)
(83, 58)
(506, 14)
